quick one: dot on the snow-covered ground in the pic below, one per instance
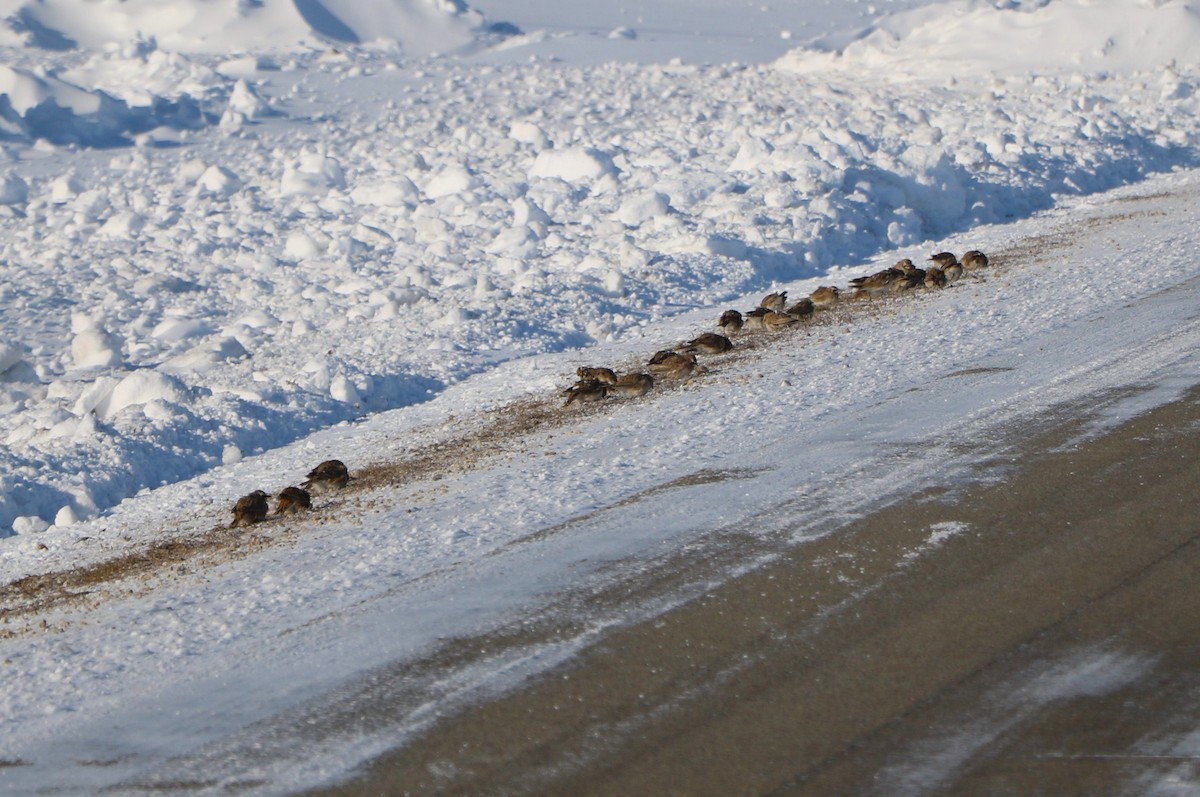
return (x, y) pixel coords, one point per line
(232, 247)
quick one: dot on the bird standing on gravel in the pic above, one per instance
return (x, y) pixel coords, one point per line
(250, 509)
(802, 309)
(632, 385)
(731, 321)
(776, 321)
(292, 500)
(974, 260)
(330, 475)
(774, 301)
(709, 343)
(672, 364)
(604, 375)
(943, 259)
(875, 283)
(953, 272)
(586, 390)
(754, 318)
(825, 296)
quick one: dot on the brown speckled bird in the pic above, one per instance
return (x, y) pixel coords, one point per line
(708, 343)
(731, 321)
(605, 375)
(632, 385)
(875, 283)
(802, 309)
(250, 509)
(291, 500)
(778, 321)
(672, 364)
(953, 272)
(774, 301)
(330, 475)
(911, 276)
(935, 277)
(974, 260)
(943, 259)
(586, 390)
(825, 296)
(754, 318)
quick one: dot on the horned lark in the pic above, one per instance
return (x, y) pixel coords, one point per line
(708, 343)
(291, 500)
(250, 509)
(330, 475)
(586, 390)
(631, 385)
(910, 276)
(974, 260)
(754, 318)
(876, 283)
(731, 321)
(774, 301)
(943, 259)
(775, 322)
(825, 296)
(604, 375)
(953, 271)
(672, 364)
(802, 309)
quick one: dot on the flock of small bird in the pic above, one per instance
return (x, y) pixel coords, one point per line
(595, 384)
(773, 314)
(327, 477)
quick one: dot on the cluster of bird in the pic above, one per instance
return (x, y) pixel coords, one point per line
(772, 314)
(327, 477)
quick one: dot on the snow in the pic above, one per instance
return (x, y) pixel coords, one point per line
(1082, 672)
(240, 238)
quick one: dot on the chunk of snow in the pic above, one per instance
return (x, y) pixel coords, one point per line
(451, 181)
(13, 190)
(245, 101)
(218, 181)
(10, 355)
(344, 390)
(93, 347)
(573, 165)
(29, 524)
(65, 188)
(397, 192)
(207, 355)
(231, 454)
(66, 516)
(637, 210)
(141, 387)
(173, 330)
(529, 133)
(312, 175)
(123, 225)
(299, 245)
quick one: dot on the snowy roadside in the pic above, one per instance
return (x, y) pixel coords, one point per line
(824, 424)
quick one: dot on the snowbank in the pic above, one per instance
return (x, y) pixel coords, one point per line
(968, 37)
(204, 26)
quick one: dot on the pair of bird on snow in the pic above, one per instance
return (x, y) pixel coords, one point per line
(253, 508)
